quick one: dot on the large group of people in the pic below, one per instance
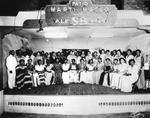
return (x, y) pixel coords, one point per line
(115, 69)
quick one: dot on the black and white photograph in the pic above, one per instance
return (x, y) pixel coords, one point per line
(75, 59)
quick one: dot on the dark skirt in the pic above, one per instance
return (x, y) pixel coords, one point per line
(58, 77)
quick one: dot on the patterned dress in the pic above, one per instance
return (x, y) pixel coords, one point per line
(23, 79)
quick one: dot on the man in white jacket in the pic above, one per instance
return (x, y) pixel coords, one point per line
(11, 64)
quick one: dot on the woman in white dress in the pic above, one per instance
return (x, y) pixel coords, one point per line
(102, 55)
(99, 69)
(122, 68)
(139, 61)
(130, 77)
(115, 70)
(65, 74)
(129, 56)
(82, 71)
(90, 70)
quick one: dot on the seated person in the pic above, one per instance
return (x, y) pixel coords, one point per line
(23, 79)
(65, 74)
(73, 74)
(30, 69)
(39, 75)
(122, 68)
(105, 78)
(130, 77)
(49, 74)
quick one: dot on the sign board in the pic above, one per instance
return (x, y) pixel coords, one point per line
(80, 13)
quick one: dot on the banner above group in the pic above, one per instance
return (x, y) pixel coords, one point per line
(80, 13)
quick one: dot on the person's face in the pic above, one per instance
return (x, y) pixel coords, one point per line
(137, 52)
(82, 52)
(38, 54)
(128, 52)
(132, 63)
(114, 52)
(91, 61)
(107, 52)
(122, 61)
(82, 61)
(40, 62)
(58, 54)
(22, 62)
(57, 60)
(13, 53)
(89, 53)
(66, 61)
(95, 53)
(54, 54)
(118, 53)
(103, 51)
(115, 61)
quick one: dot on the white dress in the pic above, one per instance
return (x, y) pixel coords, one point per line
(65, 74)
(49, 74)
(90, 74)
(116, 76)
(127, 81)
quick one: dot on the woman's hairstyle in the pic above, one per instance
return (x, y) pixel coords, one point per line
(129, 50)
(90, 61)
(138, 50)
(131, 61)
(121, 59)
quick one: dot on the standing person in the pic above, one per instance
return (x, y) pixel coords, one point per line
(58, 72)
(139, 61)
(19, 55)
(37, 57)
(88, 57)
(129, 77)
(129, 56)
(102, 54)
(119, 54)
(29, 56)
(11, 64)
(83, 54)
(71, 56)
(65, 74)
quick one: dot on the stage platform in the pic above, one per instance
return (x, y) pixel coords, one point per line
(65, 89)
(71, 89)
(75, 99)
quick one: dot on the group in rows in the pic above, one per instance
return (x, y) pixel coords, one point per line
(115, 69)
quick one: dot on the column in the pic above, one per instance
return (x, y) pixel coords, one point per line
(1, 75)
